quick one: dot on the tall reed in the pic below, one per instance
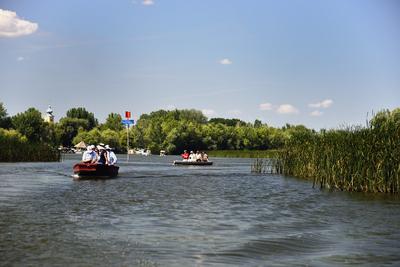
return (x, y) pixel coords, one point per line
(266, 165)
(363, 159)
(15, 148)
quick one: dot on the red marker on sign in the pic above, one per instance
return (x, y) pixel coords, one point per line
(127, 114)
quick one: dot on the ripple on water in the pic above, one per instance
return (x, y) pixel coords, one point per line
(156, 214)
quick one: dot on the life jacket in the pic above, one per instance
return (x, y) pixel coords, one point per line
(185, 155)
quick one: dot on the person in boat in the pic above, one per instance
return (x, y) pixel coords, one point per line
(185, 155)
(103, 157)
(198, 156)
(204, 157)
(111, 155)
(192, 156)
(89, 156)
(86, 157)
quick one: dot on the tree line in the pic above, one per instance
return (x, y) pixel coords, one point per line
(176, 130)
(169, 130)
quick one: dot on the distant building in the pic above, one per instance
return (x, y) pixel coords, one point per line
(49, 117)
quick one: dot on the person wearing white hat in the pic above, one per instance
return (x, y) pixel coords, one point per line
(111, 155)
(103, 157)
(89, 156)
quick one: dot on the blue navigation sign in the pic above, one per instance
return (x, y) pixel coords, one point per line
(128, 122)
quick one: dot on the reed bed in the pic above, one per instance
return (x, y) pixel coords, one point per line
(15, 148)
(363, 159)
(263, 166)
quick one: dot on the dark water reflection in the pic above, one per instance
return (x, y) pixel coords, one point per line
(155, 214)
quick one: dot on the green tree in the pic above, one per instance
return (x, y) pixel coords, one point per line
(93, 136)
(113, 122)
(77, 119)
(82, 113)
(111, 138)
(219, 136)
(68, 128)
(257, 123)
(96, 136)
(51, 134)
(228, 122)
(193, 116)
(5, 120)
(3, 111)
(185, 135)
(31, 124)
(153, 135)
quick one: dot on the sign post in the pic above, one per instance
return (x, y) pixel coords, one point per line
(127, 122)
(127, 143)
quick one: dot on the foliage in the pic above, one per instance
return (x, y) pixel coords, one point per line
(3, 111)
(16, 147)
(227, 122)
(353, 159)
(5, 120)
(177, 130)
(111, 138)
(82, 113)
(95, 136)
(177, 115)
(31, 124)
(113, 122)
(77, 119)
(68, 128)
(264, 166)
(172, 131)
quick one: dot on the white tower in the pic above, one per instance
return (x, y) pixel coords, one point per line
(49, 115)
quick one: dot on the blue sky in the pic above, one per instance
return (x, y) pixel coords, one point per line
(319, 63)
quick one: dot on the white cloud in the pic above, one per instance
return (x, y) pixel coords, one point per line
(20, 58)
(235, 112)
(266, 106)
(316, 113)
(323, 104)
(148, 2)
(225, 61)
(287, 109)
(208, 112)
(12, 26)
(281, 109)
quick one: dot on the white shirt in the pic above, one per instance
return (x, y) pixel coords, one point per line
(192, 157)
(198, 156)
(112, 157)
(88, 155)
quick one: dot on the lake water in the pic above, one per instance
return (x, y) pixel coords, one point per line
(156, 214)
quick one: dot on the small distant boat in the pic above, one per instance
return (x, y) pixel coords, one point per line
(143, 152)
(195, 163)
(162, 153)
(93, 170)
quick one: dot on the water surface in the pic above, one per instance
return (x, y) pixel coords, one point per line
(156, 214)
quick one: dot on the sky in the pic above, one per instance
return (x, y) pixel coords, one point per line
(323, 64)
